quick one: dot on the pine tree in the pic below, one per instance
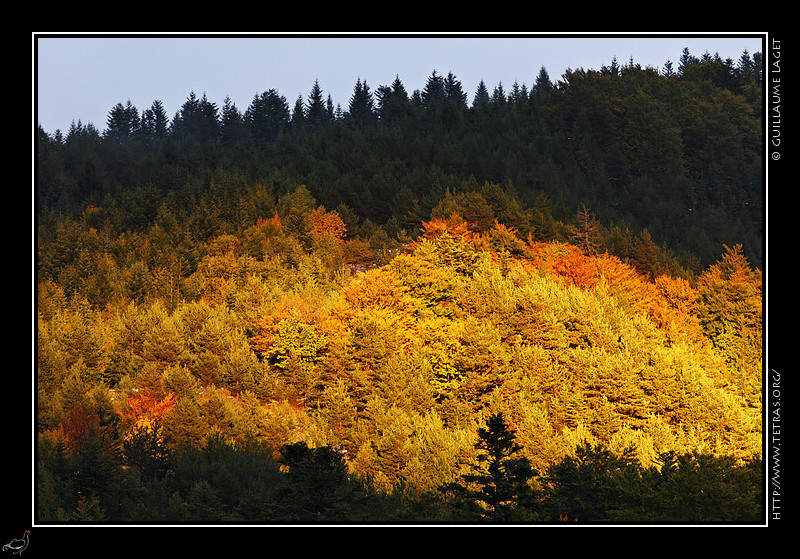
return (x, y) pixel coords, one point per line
(543, 87)
(392, 102)
(668, 72)
(155, 123)
(197, 119)
(593, 485)
(362, 106)
(267, 115)
(731, 315)
(498, 96)
(123, 121)
(686, 60)
(316, 111)
(319, 488)
(498, 490)
(231, 123)
(454, 92)
(297, 121)
(434, 92)
(481, 100)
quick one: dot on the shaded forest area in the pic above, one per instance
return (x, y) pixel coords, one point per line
(543, 306)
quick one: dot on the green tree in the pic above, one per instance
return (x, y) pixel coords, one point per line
(542, 89)
(144, 449)
(481, 99)
(686, 60)
(362, 106)
(319, 488)
(698, 487)
(267, 115)
(316, 111)
(155, 122)
(197, 119)
(434, 92)
(232, 127)
(123, 121)
(454, 92)
(498, 488)
(593, 485)
(392, 102)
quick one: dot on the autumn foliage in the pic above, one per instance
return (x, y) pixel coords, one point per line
(328, 224)
(395, 364)
(309, 316)
(145, 409)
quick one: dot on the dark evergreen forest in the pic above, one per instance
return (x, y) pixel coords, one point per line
(528, 303)
(675, 152)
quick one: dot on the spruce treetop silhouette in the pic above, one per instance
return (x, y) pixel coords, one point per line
(498, 489)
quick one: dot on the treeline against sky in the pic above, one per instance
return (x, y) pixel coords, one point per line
(342, 322)
(675, 151)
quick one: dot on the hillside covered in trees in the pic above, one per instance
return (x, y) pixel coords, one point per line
(545, 305)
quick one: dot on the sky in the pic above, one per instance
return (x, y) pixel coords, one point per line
(82, 77)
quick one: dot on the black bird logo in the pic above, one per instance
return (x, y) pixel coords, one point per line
(18, 545)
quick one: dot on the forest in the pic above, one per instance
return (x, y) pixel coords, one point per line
(543, 306)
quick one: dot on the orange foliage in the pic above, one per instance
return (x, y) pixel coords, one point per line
(301, 310)
(677, 293)
(455, 226)
(328, 224)
(90, 210)
(677, 307)
(669, 302)
(145, 408)
(270, 225)
(566, 263)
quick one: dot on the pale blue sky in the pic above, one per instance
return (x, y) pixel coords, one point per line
(82, 78)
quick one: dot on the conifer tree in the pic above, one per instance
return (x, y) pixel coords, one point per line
(686, 60)
(730, 313)
(454, 92)
(298, 119)
(123, 121)
(267, 115)
(155, 122)
(434, 92)
(392, 102)
(319, 489)
(586, 233)
(316, 111)
(362, 106)
(231, 123)
(481, 100)
(542, 87)
(498, 98)
(498, 489)
(197, 119)
(668, 72)
(593, 485)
